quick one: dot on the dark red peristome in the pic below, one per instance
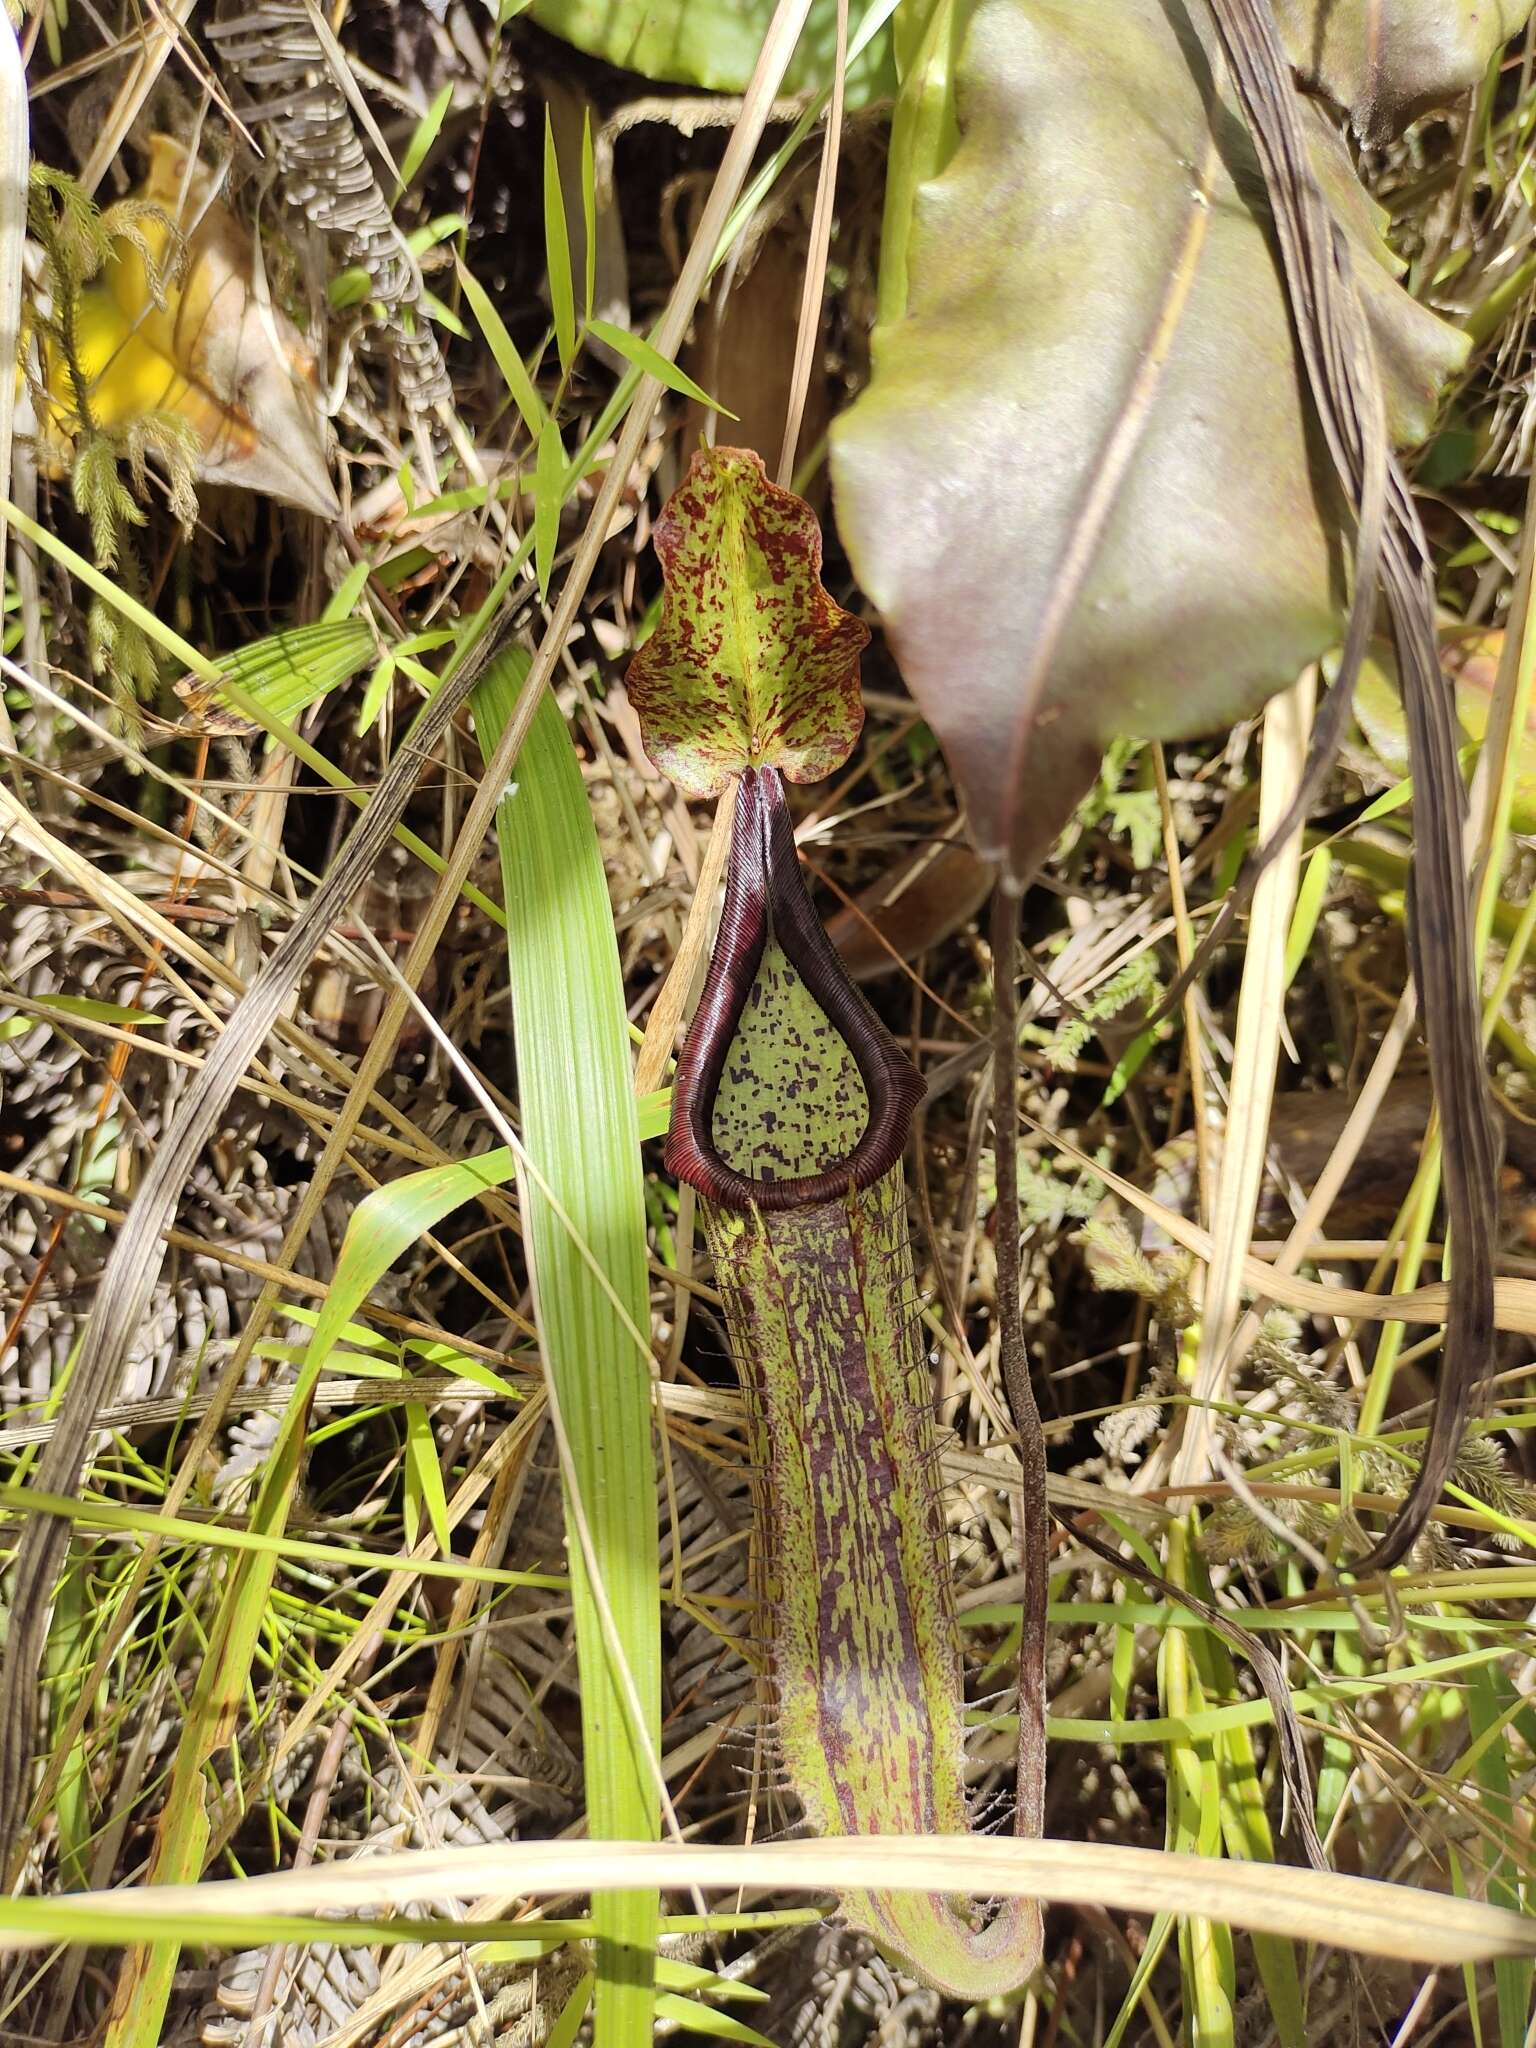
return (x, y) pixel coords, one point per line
(764, 892)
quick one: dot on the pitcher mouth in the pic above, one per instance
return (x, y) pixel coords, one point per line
(766, 897)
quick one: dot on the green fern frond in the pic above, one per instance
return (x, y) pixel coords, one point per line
(174, 443)
(1233, 1534)
(1135, 983)
(1118, 1265)
(67, 226)
(1048, 1201)
(102, 497)
(126, 221)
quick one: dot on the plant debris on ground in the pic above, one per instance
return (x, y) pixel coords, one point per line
(329, 329)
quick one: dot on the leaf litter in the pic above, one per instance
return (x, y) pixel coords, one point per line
(486, 1686)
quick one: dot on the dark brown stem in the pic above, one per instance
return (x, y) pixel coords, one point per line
(1033, 1515)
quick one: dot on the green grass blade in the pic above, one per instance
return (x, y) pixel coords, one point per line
(1245, 1825)
(428, 128)
(549, 470)
(574, 2011)
(1310, 898)
(674, 1975)
(343, 599)
(653, 363)
(513, 371)
(380, 1230)
(380, 683)
(557, 252)
(92, 1009)
(208, 671)
(1139, 1991)
(259, 1543)
(588, 215)
(1491, 1704)
(442, 315)
(924, 133)
(581, 1131)
(1468, 1969)
(424, 1479)
(703, 2019)
(65, 1657)
(1194, 1825)
(1338, 1757)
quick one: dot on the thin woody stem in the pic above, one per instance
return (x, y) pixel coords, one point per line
(1033, 1515)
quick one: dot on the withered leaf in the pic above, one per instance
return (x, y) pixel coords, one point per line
(199, 343)
(1387, 60)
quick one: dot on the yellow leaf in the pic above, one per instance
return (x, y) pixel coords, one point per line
(214, 353)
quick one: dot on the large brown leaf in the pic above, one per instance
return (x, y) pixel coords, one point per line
(1082, 487)
(1387, 60)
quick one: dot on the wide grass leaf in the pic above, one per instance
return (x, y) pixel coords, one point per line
(583, 1205)
(513, 370)
(1082, 487)
(637, 350)
(711, 43)
(284, 672)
